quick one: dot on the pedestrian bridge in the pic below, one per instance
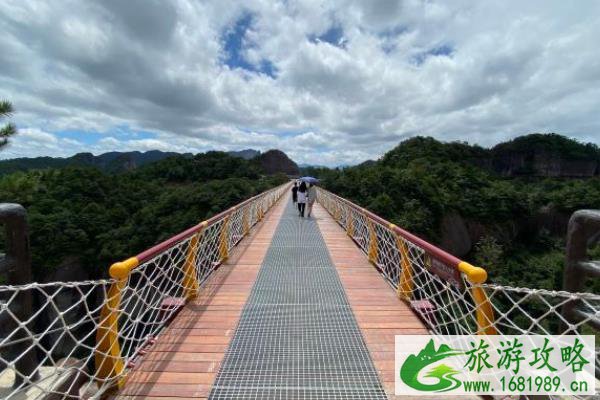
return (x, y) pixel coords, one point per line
(259, 303)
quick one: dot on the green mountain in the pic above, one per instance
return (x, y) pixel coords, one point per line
(503, 208)
(539, 155)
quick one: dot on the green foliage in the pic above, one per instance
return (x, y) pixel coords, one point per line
(488, 253)
(558, 145)
(99, 218)
(202, 167)
(420, 147)
(8, 130)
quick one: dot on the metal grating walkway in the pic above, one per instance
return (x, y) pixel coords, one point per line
(297, 337)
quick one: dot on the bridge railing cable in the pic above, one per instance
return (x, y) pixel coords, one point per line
(450, 295)
(88, 335)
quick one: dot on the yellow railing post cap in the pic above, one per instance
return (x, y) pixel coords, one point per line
(120, 270)
(474, 274)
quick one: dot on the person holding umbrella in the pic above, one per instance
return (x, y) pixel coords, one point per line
(302, 198)
(311, 192)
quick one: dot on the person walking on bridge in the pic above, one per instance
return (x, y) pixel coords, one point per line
(295, 193)
(302, 198)
(311, 197)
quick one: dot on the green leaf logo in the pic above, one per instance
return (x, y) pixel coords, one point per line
(414, 364)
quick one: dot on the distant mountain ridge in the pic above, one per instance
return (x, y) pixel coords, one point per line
(247, 154)
(538, 155)
(114, 161)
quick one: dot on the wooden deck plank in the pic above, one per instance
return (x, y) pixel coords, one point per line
(379, 313)
(186, 357)
(149, 390)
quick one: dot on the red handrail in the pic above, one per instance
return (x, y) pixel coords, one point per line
(475, 274)
(430, 248)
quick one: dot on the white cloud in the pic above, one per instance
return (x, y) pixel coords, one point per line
(34, 142)
(37, 135)
(158, 66)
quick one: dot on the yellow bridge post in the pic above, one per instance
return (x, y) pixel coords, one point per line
(259, 214)
(190, 277)
(405, 280)
(350, 223)
(484, 311)
(373, 253)
(108, 360)
(246, 221)
(224, 240)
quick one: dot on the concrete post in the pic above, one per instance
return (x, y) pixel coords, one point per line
(584, 230)
(17, 266)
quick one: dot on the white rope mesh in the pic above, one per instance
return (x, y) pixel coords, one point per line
(448, 307)
(69, 320)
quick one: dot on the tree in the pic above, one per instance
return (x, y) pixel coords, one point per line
(6, 109)
(488, 253)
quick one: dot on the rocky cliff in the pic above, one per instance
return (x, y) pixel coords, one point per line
(275, 161)
(546, 155)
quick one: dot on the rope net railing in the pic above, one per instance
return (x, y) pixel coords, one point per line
(82, 338)
(449, 295)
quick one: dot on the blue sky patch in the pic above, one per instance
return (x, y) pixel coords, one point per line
(82, 137)
(121, 132)
(233, 47)
(334, 36)
(389, 36)
(281, 133)
(444, 50)
(393, 32)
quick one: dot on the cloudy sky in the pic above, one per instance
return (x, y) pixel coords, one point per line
(329, 82)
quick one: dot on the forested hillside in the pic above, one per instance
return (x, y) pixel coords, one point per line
(82, 219)
(450, 193)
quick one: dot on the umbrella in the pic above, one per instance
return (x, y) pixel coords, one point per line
(309, 179)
